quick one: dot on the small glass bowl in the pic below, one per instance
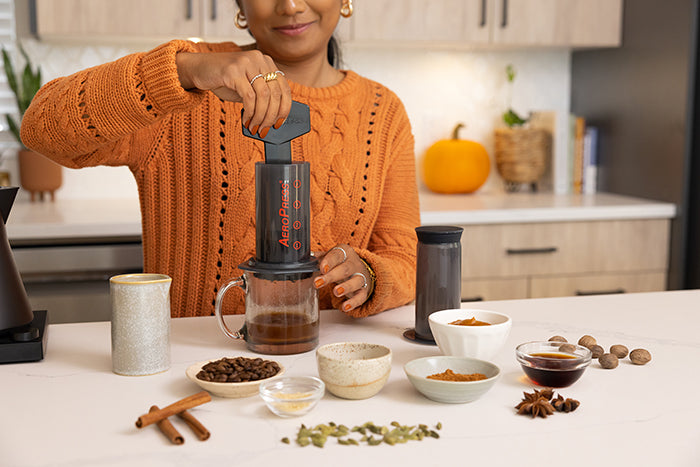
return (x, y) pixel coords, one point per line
(548, 366)
(292, 396)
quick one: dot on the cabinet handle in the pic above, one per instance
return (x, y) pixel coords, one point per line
(473, 299)
(531, 251)
(78, 276)
(504, 14)
(33, 28)
(599, 292)
(213, 10)
(188, 9)
(482, 23)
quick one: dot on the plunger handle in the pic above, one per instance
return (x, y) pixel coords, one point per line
(277, 147)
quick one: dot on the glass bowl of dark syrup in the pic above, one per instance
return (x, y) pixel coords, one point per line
(548, 366)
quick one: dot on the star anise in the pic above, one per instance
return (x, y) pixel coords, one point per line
(529, 397)
(545, 393)
(565, 405)
(535, 407)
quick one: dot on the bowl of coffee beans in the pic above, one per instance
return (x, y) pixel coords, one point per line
(233, 376)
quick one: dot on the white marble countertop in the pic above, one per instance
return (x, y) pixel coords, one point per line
(70, 409)
(536, 207)
(65, 219)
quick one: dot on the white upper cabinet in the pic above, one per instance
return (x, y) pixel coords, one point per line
(418, 21)
(136, 20)
(218, 24)
(488, 23)
(100, 19)
(438, 23)
(564, 23)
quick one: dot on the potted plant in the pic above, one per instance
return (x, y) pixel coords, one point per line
(521, 152)
(37, 173)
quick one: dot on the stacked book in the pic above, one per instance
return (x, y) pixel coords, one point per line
(574, 159)
(583, 155)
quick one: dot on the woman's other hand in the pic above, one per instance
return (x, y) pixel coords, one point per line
(240, 77)
(342, 266)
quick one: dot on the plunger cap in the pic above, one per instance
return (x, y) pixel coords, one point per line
(277, 147)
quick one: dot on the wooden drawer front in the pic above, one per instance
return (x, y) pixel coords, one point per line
(506, 250)
(542, 287)
(496, 289)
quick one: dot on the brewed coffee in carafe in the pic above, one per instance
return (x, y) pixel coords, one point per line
(281, 302)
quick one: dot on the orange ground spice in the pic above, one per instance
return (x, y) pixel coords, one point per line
(470, 322)
(449, 375)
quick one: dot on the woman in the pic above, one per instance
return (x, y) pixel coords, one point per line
(173, 116)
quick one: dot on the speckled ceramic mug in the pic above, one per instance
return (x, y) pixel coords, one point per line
(140, 323)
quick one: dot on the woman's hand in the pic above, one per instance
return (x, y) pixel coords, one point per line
(229, 74)
(342, 266)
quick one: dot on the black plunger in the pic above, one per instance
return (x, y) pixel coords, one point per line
(282, 211)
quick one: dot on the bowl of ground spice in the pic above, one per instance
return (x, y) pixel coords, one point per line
(470, 332)
(233, 377)
(450, 379)
(292, 396)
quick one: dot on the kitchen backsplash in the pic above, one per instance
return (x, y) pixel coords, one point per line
(438, 87)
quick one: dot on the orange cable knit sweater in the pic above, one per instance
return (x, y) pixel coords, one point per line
(195, 171)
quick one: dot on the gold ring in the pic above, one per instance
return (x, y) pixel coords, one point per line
(271, 76)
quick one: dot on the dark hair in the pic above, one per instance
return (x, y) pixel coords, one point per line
(334, 54)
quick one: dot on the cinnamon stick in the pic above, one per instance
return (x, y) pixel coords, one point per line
(168, 429)
(201, 432)
(183, 404)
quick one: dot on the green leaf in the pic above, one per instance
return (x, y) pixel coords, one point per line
(513, 119)
(9, 71)
(14, 128)
(510, 73)
(26, 94)
(24, 87)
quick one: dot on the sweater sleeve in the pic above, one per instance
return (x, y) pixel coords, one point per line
(391, 251)
(93, 117)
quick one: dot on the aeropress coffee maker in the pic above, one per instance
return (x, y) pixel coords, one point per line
(281, 302)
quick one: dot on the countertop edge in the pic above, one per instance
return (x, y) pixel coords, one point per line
(550, 214)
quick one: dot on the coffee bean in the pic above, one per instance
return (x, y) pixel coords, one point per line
(238, 369)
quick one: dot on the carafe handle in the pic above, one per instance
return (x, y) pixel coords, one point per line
(239, 282)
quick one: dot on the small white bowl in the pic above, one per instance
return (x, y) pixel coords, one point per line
(451, 392)
(354, 370)
(482, 342)
(292, 396)
(230, 390)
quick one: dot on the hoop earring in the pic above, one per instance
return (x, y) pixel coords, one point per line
(346, 9)
(240, 20)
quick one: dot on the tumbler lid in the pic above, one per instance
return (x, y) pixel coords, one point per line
(439, 233)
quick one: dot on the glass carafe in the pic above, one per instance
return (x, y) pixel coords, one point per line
(281, 312)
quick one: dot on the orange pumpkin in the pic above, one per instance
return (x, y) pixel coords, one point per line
(455, 165)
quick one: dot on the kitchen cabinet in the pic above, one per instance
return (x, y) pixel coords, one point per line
(549, 259)
(443, 23)
(489, 23)
(416, 21)
(136, 20)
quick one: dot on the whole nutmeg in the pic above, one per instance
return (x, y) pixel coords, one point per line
(558, 339)
(597, 351)
(567, 348)
(608, 361)
(619, 350)
(640, 356)
(587, 341)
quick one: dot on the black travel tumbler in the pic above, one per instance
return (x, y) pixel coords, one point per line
(438, 274)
